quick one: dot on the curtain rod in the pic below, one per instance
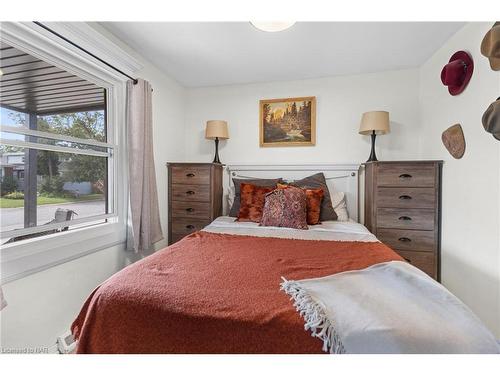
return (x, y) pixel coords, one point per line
(84, 50)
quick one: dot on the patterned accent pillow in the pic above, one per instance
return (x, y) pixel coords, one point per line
(285, 208)
(252, 200)
(314, 197)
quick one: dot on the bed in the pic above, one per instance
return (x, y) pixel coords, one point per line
(218, 290)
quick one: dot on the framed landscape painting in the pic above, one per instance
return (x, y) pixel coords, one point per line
(288, 122)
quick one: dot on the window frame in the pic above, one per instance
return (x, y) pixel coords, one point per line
(22, 258)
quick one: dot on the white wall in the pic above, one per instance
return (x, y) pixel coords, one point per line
(43, 305)
(471, 185)
(340, 102)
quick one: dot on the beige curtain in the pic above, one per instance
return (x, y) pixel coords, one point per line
(144, 217)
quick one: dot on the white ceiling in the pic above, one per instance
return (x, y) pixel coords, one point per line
(221, 53)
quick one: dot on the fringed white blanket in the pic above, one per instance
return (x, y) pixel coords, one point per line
(387, 308)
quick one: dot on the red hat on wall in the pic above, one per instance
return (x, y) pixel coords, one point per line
(458, 72)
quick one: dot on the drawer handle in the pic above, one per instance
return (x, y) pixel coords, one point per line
(190, 175)
(189, 209)
(404, 197)
(190, 192)
(190, 226)
(408, 260)
(405, 175)
(404, 239)
(404, 218)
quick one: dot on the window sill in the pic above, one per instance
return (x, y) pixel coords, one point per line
(31, 256)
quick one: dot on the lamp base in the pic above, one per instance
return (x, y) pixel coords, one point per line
(216, 157)
(373, 156)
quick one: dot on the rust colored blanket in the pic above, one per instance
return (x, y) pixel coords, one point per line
(214, 293)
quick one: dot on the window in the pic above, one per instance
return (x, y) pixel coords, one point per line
(56, 161)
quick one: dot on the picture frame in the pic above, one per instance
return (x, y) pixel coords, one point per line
(287, 122)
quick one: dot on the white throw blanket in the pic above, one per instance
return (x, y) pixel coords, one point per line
(388, 308)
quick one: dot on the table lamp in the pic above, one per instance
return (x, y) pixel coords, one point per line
(216, 129)
(374, 123)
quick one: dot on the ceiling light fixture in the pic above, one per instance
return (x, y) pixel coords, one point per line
(272, 27)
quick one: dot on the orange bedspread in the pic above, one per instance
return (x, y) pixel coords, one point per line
(214, 293)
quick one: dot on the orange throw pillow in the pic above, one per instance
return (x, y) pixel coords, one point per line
(314, 199)
(252, 199)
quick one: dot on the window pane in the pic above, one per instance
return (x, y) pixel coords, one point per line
(9, 117)
(68, 186)
(87, 125)
(42, 96)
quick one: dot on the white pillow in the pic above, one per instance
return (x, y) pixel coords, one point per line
(231, 193)
(339, 205)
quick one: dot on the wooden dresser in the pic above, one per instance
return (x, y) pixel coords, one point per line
(403, 209)
(194, 197)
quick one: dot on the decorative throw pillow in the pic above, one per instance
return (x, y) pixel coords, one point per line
(340, 206)
(314, 199)
(252, 200)
(313, 202)
(285, 208)
(235, 207)
(318, 181)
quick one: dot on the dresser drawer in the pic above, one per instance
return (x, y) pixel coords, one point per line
(412, 240)
(406, 197)
(415, 175)
(191, 175)
(186, 226)
(200, 210)
(422, 260)
(405, 218)
(190, 193)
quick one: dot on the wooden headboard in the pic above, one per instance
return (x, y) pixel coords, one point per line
(339, 177)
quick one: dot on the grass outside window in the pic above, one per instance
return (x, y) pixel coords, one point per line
(41, 200)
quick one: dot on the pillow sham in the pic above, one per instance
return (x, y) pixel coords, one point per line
(252, 198)
(265, 182)
(285, 208)
(230, 197)
(340, 206)
(318, 181)
(314, 198)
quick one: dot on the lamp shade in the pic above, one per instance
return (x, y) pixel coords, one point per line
(216, 129)
(375, 121)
